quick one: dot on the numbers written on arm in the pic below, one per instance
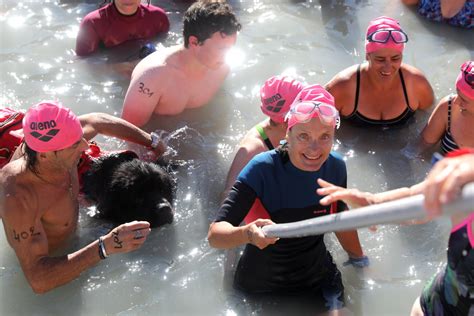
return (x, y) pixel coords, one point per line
(19, 236)
(144, 90)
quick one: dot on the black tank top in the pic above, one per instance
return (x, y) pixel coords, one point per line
(360, 119)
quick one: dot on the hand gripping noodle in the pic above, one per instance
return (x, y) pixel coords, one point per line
(313, 101)
(277, 94)
(385, 32)
(48, 126)
(465, 79)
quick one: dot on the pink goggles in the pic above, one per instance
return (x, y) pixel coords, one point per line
(382, 36)
(468, 71)
(304, 111)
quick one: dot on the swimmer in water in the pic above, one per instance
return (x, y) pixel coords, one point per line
(35, 223)
(118, 22)
(279, 186)
(452, 120)
(276, 96)
(383, 91)
(184, 76)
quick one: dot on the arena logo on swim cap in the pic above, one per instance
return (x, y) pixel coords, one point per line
(277, 107)
(51, 124)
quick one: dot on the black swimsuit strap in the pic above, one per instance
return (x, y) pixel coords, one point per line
(449, 112)
(404, 87)
(356, 102)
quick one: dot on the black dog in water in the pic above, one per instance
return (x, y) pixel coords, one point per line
(125, 189)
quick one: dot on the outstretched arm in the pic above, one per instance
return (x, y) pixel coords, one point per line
(105, 124)
(26, 235)
(109, 125)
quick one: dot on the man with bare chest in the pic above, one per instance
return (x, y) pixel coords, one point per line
(39, 205)
(185, 76)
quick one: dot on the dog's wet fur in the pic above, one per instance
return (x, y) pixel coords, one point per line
(125, 188)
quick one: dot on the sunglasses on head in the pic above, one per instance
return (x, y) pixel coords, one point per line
(382, 36)
(468, 73)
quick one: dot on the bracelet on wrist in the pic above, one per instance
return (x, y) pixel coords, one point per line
(155, 140)
(102, 253)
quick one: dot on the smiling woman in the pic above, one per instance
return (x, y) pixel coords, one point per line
(383, 91)
(279, 186)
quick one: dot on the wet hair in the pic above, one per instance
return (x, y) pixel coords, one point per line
(206, 17)
(31, 157)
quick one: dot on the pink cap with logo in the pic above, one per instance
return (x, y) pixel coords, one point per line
(313, 93)
(383, 23)
(277, 94)
(465, 79)
(48, 126)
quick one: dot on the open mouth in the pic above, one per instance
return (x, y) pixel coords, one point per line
(383, 73)
(312, 157)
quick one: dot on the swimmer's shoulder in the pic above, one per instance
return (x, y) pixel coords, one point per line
(164, 61)
(16, 193)
(343, 78)
(343, 88)
(412, 73)
(252, 144)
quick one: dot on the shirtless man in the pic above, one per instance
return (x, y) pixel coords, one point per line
(185, 76)
(38, 198)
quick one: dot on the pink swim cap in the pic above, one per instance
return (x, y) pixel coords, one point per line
(465, 77)
(48, 126)
(383, 23)
(315, 93)
(277, 94)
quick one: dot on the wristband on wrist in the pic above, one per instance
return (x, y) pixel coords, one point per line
(102, 253)
(155, 140)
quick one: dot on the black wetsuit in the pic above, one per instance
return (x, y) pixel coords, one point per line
(270, 186)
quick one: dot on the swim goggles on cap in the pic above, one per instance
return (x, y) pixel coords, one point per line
(382, 36)
(468, 70)
(304, 111)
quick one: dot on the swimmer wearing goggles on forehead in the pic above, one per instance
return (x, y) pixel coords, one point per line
(303, 112)
(383, 91)
(383, 35)
(450, 123)
(313, 101)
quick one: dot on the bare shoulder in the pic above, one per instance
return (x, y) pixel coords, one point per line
(252, 144)
(17, 198)
(343, 79)
(442, 107)
(412, 73)
(156, 65)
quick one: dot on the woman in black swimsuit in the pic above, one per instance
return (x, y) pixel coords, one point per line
(382, 91)
(453, 118)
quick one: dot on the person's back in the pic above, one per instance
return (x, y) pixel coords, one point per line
(176, 78)
(118, 22)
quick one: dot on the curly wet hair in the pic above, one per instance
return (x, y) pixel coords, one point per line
(206, 17)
